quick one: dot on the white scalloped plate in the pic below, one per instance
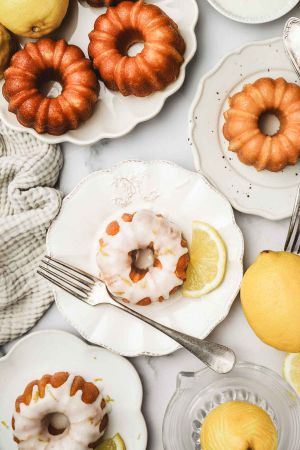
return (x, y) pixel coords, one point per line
(53, 351)
(115, 115)
(181, 196)
(253, 13)
(266, 194)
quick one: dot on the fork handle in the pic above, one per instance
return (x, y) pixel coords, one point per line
(219, 358)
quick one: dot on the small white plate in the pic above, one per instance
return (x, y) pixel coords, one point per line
(253, 11)
(180, 195)
(114, 115)
(264, 193)
(53, 351)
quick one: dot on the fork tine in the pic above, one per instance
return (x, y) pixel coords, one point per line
(74, 269)
(60, 285)
(293, 219)
(295, 241)
(83, 289)
(49, 262)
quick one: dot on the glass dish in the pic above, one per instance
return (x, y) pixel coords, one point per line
(198, 393)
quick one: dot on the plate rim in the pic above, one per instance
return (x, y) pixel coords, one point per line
(80, 341)
(267, 214)
(234, 295)
(66, 137)
(252, 21)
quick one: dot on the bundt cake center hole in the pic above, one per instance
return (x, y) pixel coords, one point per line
(131, 43)
(50, 84)
(56, 423)
(269, 123)
(143, 259)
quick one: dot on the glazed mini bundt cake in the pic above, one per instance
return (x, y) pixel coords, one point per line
(49, 60)
(237, 425)
(242, 129)
(151, 70)
(151, 237)
(35, 422)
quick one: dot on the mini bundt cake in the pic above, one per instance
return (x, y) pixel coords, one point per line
(37, 420)
(164, 254)
(242, 129)
(99, 3)
(49, 60)
(151, 70)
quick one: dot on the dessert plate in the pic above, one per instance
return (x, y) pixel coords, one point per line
(255, 11)
(115, 115)
(264, 193)
(180, 195)
(53, 351)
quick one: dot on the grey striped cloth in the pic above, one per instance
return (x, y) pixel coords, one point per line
(28, 202)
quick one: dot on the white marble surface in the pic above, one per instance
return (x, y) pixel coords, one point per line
(165, 137)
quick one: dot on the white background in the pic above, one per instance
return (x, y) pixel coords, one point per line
(165, 137)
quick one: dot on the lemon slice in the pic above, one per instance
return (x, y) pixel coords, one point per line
(291, 370)
(207, 261)
(116, 443)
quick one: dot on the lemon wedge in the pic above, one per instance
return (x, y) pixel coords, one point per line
(116, 443)
(291, 370)
(208, 258)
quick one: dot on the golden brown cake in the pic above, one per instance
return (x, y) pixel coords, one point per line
(242, 129)
(165, 252)
(79, 402)
(99, 3)
(151, 70)
(49, 60)
(237, 425)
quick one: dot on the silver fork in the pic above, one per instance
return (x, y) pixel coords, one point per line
(91, 290)
(292, 243)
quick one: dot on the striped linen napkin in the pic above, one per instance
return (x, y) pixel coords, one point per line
(29, 170)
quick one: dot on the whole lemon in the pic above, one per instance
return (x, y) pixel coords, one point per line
(32, 18)
(270, 296)
(237, 425)
(7, 47)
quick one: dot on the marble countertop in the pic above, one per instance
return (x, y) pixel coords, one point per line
(165, 137)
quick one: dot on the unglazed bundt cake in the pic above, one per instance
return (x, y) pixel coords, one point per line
(165, 254)
(99, 3)
(49, 60)
(242, 128)
(151, 70)
(35, 422)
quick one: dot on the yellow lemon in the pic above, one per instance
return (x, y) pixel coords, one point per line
(291, 370)
(237, 425)
(116, 443)
(7, 46)
(32, 18)
(270, 296)
(207, 261)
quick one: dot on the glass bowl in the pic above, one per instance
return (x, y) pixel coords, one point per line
(198, 393)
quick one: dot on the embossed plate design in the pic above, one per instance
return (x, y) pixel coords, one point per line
(180, 195)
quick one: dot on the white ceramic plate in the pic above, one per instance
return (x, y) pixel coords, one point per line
(115, 115)
(264, 193)
(53, 351)
(181, 196)
(253, 11)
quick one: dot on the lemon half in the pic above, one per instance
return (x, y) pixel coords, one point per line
(208, 259)
(116, 443)
(291, 370)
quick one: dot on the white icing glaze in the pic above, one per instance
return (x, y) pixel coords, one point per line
(114, 260)
(84, 420)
